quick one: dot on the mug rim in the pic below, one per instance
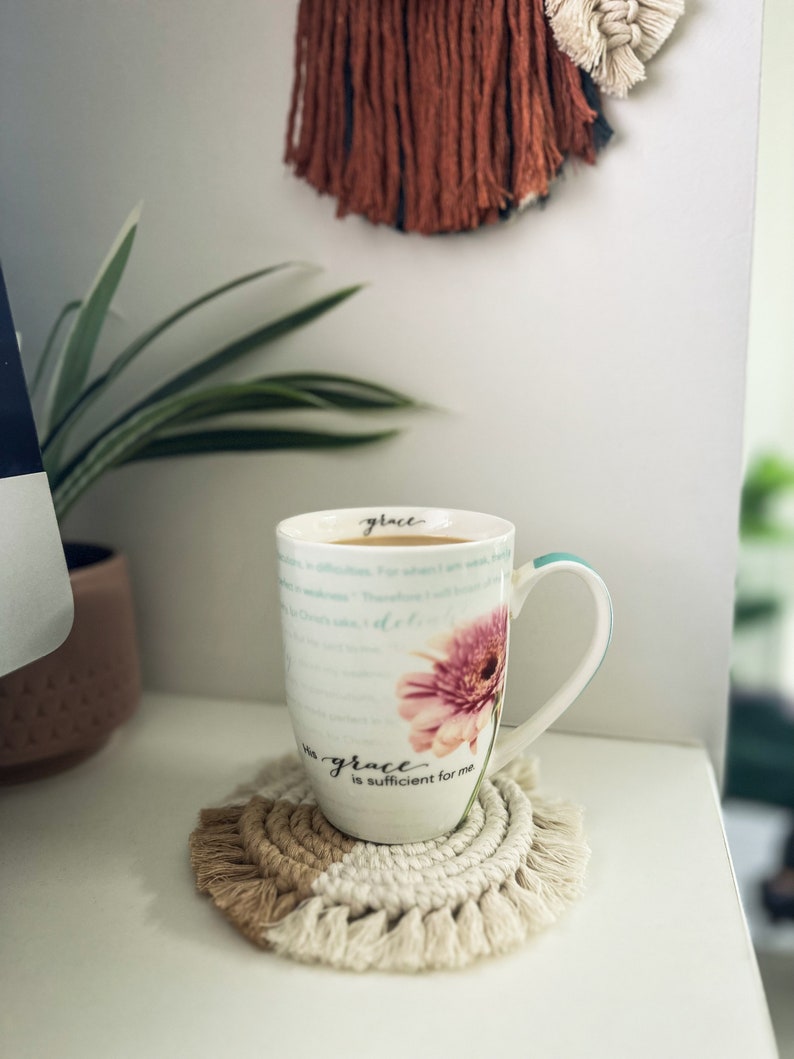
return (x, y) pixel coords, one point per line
(501, 528)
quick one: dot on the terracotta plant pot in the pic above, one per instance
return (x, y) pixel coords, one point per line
(62, 708)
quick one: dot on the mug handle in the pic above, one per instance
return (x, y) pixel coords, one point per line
(510, 744)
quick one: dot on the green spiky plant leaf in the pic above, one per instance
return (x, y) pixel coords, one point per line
(159, 424)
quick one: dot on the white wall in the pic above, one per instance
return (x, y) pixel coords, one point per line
(590, 356)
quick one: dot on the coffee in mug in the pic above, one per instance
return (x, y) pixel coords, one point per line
(406, 540)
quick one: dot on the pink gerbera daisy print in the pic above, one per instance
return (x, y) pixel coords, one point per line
(455, 701)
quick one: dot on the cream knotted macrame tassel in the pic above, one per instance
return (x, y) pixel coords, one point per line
(613, 39)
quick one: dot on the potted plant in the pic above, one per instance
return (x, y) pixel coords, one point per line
(63, 707)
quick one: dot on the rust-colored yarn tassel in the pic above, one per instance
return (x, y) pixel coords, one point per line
(434, 115)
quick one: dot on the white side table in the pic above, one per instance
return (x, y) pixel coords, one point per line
(108, 951)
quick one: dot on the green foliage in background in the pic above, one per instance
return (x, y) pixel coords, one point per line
(179, 417)
(769, 479)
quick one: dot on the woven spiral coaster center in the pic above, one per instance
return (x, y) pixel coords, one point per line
(294, 884)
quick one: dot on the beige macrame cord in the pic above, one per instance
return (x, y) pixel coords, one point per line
(613, 39)
(291, 882)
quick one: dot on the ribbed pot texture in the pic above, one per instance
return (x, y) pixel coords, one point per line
(62, 708)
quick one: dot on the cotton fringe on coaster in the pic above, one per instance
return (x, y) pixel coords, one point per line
(435, 117)
(291, 882)
(613, 39)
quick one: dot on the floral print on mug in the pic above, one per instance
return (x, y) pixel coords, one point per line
(455, 701)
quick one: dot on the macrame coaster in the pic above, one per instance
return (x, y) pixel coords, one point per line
(294, 884)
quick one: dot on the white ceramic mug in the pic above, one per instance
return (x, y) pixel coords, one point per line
(396, 659)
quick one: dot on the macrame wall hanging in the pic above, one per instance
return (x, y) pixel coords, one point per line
(443, 115)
